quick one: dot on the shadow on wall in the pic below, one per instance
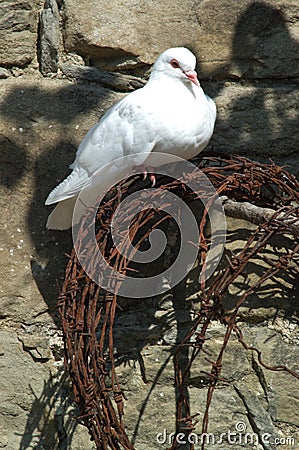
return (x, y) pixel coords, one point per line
(33, 109)
(258, 48)
(54, 414)
(262, 44)
(261, 122)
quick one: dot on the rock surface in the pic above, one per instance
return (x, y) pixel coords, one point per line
(50, 37)
(230, 38)
(250, 50)
(246, 112)
(18, 32)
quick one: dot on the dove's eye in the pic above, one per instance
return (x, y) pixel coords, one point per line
(175, 64)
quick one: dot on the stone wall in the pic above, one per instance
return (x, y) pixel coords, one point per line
(54, 59)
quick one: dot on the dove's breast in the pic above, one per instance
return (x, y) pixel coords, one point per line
(184, 125)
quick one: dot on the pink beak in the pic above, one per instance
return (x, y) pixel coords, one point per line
(192, 76)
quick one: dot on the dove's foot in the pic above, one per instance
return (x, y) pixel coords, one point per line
(150, 174)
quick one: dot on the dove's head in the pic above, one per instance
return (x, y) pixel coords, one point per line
(177, 63)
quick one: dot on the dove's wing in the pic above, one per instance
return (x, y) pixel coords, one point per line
(128, 128)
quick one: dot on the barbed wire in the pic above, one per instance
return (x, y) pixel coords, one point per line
(88, 312)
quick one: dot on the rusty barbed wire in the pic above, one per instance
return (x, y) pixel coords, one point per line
(88, 312)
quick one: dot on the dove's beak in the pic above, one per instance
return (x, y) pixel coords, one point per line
(192, 76)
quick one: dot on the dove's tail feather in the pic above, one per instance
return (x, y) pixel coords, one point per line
(69, 187)
(62, 215)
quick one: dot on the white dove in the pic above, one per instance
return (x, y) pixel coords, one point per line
(170, 114)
